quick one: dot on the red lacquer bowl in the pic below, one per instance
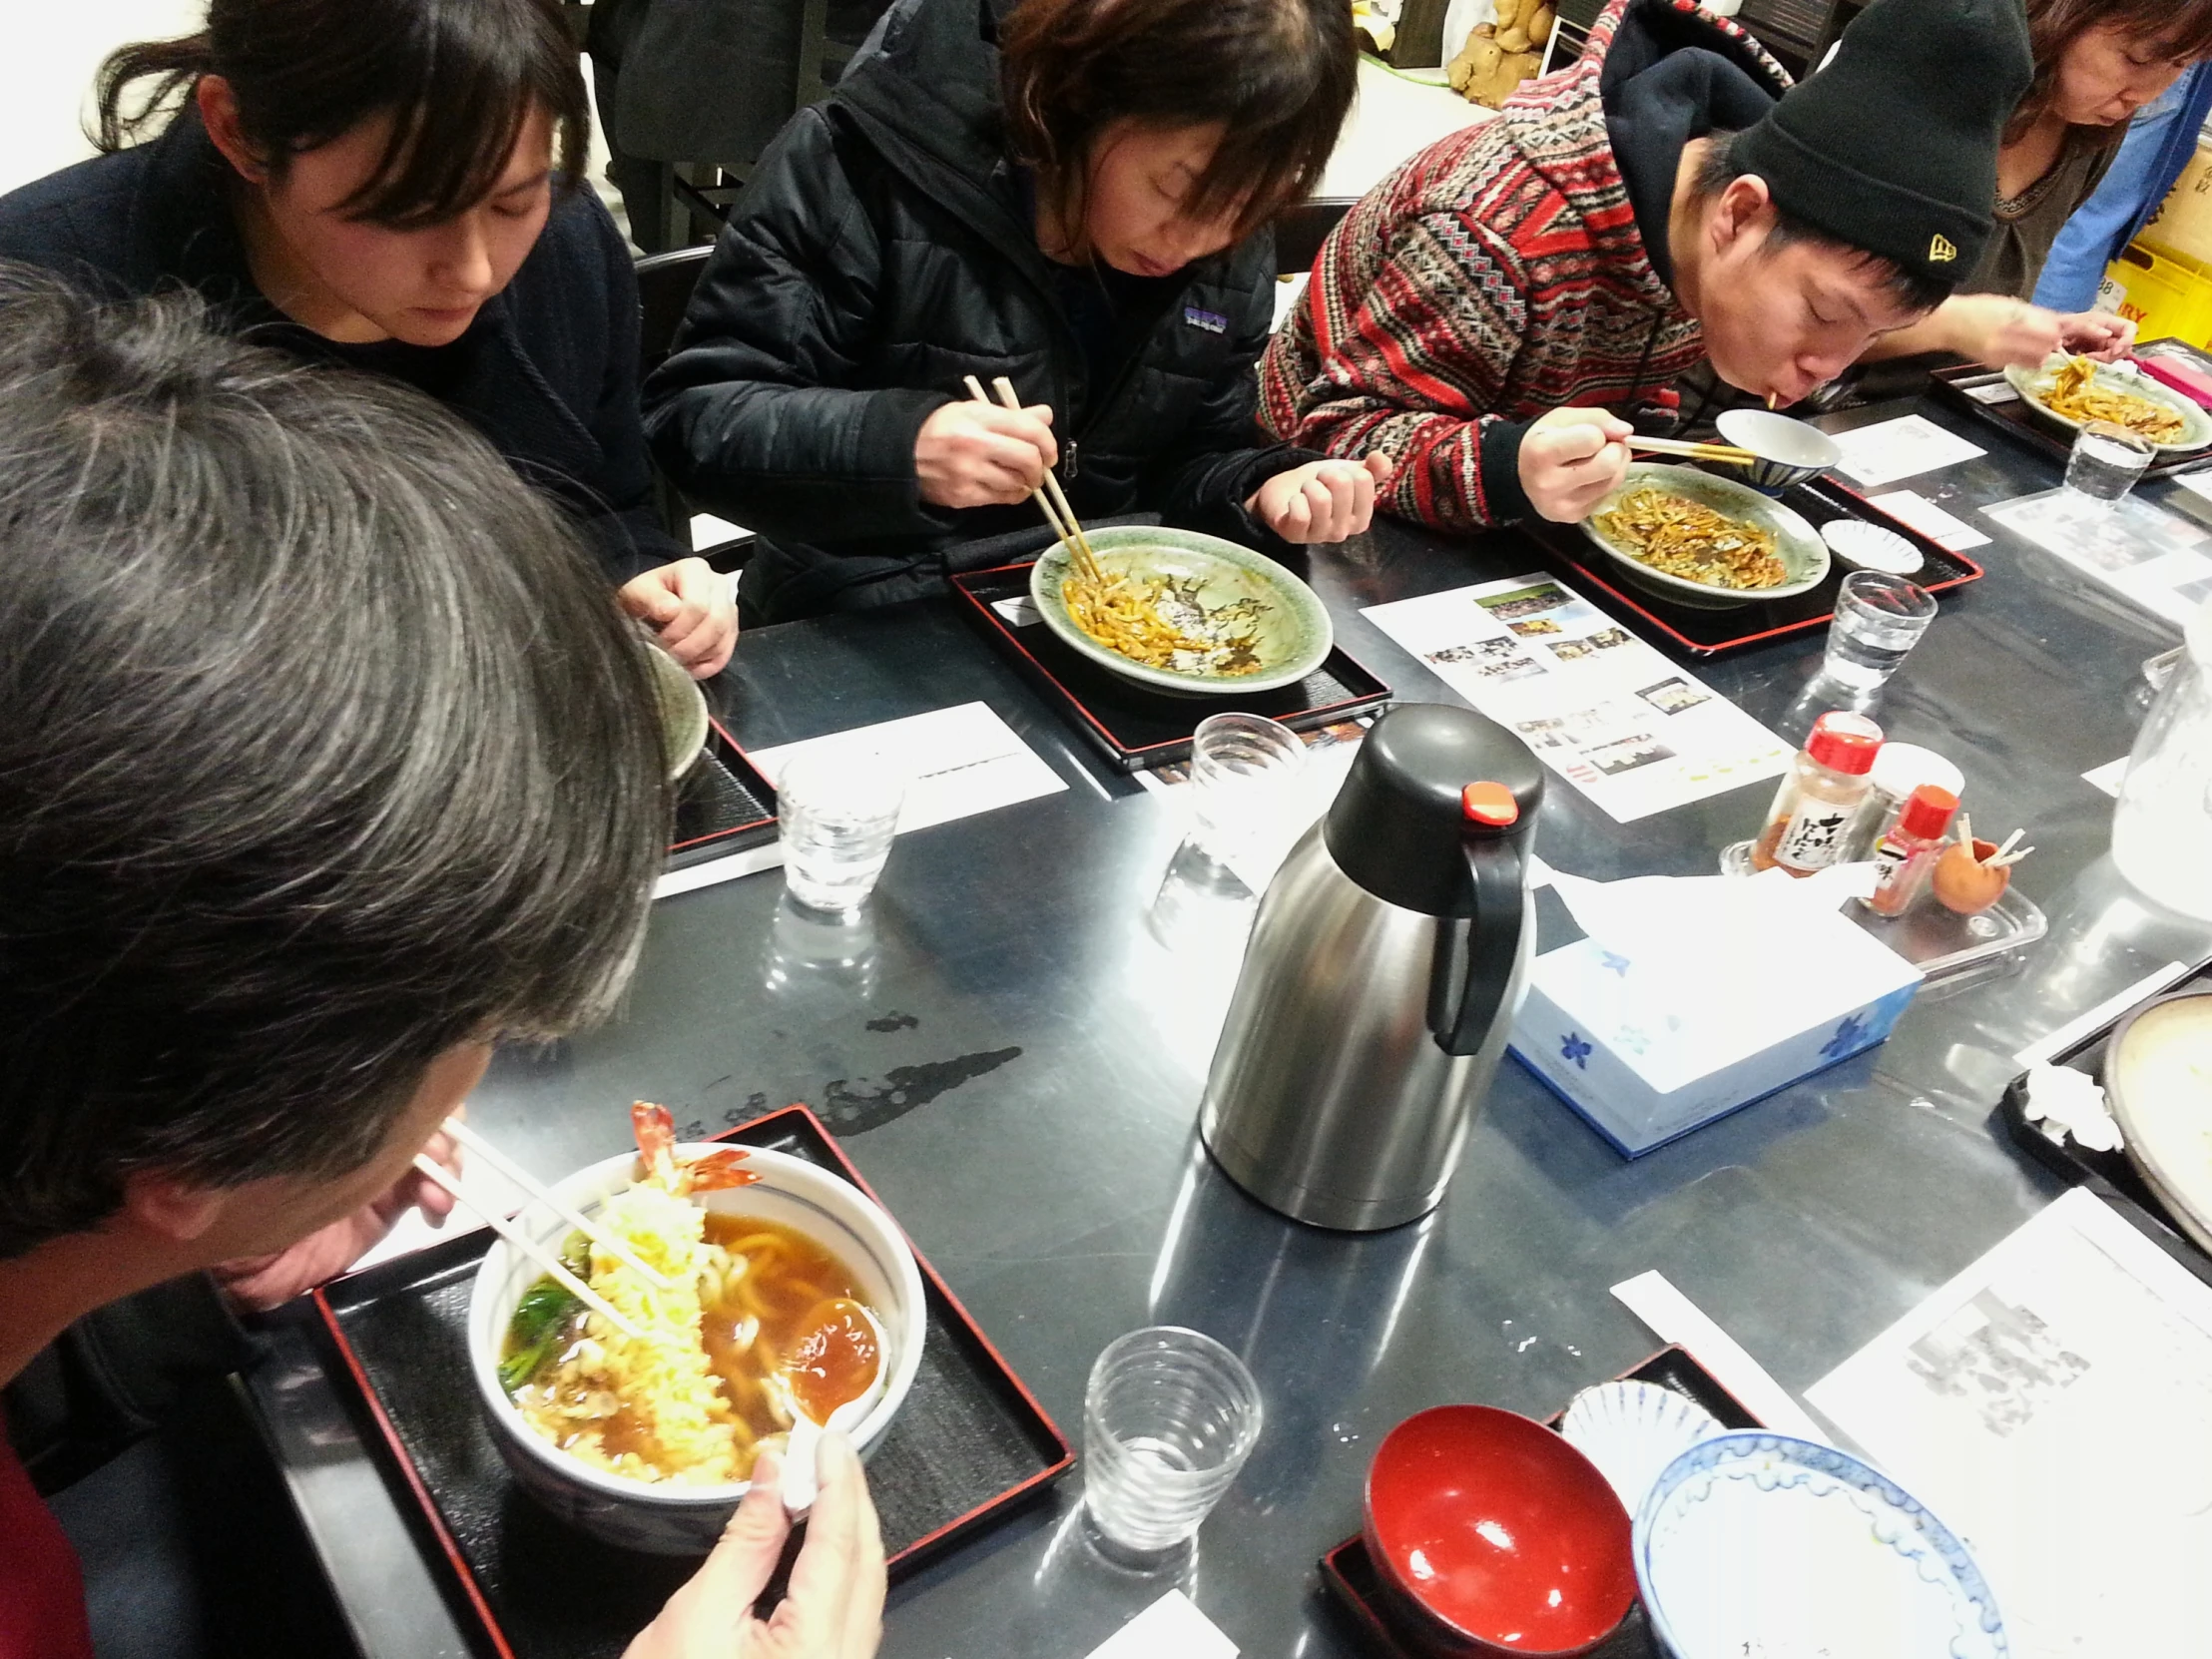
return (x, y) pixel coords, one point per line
(1497, 1537)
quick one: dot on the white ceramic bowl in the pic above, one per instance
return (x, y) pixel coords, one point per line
(669, 1519)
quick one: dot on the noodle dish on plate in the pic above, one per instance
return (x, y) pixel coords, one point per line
(1705, 541)
(2069, 392)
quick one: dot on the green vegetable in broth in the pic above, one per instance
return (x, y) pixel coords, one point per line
(541, 1319)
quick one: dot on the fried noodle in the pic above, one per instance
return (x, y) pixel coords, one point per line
(2075, 393)
(1686, 538)
(1161, 622)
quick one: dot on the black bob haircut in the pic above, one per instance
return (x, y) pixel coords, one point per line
(324, 749)
(458, 79)
(1719, 169)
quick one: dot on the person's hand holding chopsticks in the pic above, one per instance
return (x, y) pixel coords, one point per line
(979, 455)
(260, 1283)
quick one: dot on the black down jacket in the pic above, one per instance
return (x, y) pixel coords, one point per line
(882, 250)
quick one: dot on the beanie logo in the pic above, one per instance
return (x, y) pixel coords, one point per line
(1942, 250)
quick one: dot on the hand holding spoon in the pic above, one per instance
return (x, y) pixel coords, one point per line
(832, 1381)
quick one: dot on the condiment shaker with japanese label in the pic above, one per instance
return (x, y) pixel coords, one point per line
(1908, 848)
(1809, 825)
(1897, 772)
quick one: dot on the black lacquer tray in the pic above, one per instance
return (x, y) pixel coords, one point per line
(970, 1445)
(723, 805)
(1711, 633)
(1129, 727)
(2107, 1174)
(1357, 1586)
(1957, 388)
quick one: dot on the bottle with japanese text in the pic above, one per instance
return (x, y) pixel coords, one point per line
(1908, 848)
(1809, 825)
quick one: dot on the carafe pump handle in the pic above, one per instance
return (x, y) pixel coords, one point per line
(1476, 956)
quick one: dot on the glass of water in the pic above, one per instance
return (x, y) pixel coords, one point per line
(838, 812)
(2107, 459)
(1879, 619)
(1242, 770)
(1168, 1419)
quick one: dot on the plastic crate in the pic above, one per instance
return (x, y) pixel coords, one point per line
(2165, 293)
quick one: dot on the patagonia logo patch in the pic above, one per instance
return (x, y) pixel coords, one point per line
(1212, 321)
(1942, 250)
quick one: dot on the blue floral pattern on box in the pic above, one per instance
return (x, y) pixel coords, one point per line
(1697, 1581)
(1574, 1048)
(1849, 1038)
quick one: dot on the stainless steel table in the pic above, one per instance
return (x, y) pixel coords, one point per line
(1014, 1059)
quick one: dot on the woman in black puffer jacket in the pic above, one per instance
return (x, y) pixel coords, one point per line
(1072, 193)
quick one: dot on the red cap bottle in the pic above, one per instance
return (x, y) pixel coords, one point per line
(1844, 743)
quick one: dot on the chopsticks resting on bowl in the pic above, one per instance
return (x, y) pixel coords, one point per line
(1728, 452)
(1055, 506)
(546, 1259)
(599, 1235)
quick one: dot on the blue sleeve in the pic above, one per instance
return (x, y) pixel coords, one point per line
(2157, 146)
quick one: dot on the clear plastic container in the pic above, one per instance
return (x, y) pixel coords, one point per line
(2163, 826)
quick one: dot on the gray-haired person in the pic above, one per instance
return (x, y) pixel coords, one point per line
(327, 762)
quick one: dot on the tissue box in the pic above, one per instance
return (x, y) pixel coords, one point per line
(1641, 1086)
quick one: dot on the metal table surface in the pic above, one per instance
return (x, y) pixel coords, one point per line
(1014, 1059)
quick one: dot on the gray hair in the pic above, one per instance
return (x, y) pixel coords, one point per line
(322, 748)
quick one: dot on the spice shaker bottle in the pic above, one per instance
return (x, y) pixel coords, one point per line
(1810, 822)
(1908, 848)
(1899, 768)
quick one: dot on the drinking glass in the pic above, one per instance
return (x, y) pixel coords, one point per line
(1168, 1419)
(838, 812)
(2107, 459)
(1243, 770)
(1879, 619)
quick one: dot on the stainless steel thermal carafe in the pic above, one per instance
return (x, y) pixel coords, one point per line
(1382, 977)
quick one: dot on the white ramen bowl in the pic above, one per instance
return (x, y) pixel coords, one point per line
(675, 1519)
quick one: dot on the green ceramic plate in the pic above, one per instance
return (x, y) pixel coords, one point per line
(1804, 554)
(1286, 616)
(2033, 386)
(683, 707)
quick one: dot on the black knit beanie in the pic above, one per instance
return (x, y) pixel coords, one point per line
(1893, 147)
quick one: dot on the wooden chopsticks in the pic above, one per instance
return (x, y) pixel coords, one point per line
(1727, 452)
(1057, 512)
(610, 1242)
(546, 1259)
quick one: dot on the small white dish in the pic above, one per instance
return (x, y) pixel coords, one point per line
(1633, 1431)
(1867, 546)
(1762, 1545)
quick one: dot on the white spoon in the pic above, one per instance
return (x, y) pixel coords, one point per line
(798, 1484)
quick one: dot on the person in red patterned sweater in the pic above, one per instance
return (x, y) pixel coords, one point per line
(1483, 313)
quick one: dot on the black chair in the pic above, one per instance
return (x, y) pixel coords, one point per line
(665, 284)
(1302, 228)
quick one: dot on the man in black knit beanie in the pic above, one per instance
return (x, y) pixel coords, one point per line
(1668, 199)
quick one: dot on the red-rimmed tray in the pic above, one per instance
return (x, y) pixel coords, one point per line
(723, 805)
(1352, 1579)
(970, 1445)
(1129, 727)
(1988, 397)
(1711, 632)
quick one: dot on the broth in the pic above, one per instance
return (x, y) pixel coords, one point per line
(753, 1319)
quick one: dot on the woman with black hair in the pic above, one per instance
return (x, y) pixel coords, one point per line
(1072, 193)
(395, 185)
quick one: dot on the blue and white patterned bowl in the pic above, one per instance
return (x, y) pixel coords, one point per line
(1760, 1546)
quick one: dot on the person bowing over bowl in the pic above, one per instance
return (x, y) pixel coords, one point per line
(277, 729)
(396, 185)
(1483, 312)
(1073, 194)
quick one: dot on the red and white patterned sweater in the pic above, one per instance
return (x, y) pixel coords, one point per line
(1496, 274)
